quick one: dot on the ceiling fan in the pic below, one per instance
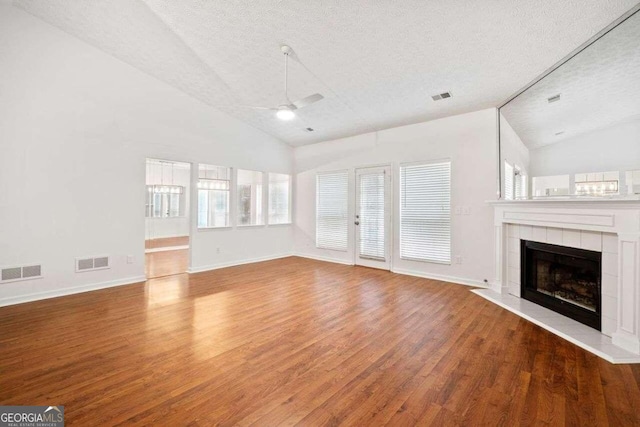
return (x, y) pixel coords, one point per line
(286, 110)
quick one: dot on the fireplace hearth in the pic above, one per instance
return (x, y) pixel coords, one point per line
(563, 279)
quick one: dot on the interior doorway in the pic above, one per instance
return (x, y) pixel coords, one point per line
(167, 217)
(373, 217)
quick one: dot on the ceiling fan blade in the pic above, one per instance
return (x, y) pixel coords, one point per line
(308, 100)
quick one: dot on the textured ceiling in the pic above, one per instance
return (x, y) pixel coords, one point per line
(599, 87)
(376, 61)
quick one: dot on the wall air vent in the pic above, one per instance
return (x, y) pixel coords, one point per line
(25, 272)
(440, 96)
(92, 263)
(554, 98)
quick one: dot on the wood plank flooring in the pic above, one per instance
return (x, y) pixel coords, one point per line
(296, 341)
(166, 263)
(166, 242)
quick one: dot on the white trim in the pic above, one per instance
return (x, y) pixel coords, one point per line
(442, 277)
(166, 248)
(387, 263)
(323, 258)
(424, 162)
(70, 291)
(192, 270)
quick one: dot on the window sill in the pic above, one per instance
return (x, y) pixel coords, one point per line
(429, 261)
(250, 226)
(280, 224)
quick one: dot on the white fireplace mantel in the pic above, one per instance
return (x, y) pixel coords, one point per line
(612, 217)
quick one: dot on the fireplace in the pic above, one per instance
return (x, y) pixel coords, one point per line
(563, 279)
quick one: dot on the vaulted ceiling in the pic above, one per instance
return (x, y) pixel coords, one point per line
(377, 62)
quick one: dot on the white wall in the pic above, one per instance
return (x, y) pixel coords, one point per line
(180, 174)
(469, 140)
(513, 151)
(616, 148)
(75, 128)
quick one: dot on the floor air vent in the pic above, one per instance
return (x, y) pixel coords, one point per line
(25, 272)
(91, 264)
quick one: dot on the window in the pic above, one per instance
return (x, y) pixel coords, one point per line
(520, 184)
(508, 181)
(164, 201)
(425, 212)
(331, 210)
(543, 186)
(370, 194)
(250, 197)
(214, 185)
(279, 198)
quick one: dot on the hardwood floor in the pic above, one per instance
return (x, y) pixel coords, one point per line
(296, 341)
(166, 242)
(166, 263)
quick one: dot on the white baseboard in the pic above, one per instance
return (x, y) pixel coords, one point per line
(321, 258)
(235, 263)
(69, 291)
(442, 277)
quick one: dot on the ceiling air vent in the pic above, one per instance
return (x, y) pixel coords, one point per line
(91, 264)
(440, 96)
(25, 272)
(554, 98)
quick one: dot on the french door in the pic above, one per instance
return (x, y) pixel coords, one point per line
(373, 217)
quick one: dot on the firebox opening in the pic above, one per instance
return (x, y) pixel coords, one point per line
(566, 280)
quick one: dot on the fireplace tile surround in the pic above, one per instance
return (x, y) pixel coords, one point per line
(609, 226)
(572, 239)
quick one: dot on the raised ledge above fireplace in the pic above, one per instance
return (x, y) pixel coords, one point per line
(618, 216)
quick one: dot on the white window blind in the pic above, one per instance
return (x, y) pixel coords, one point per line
(425, 212)
(279, 198)
(331, 210)
(371, 211)
(508, 181)
(518, 184)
